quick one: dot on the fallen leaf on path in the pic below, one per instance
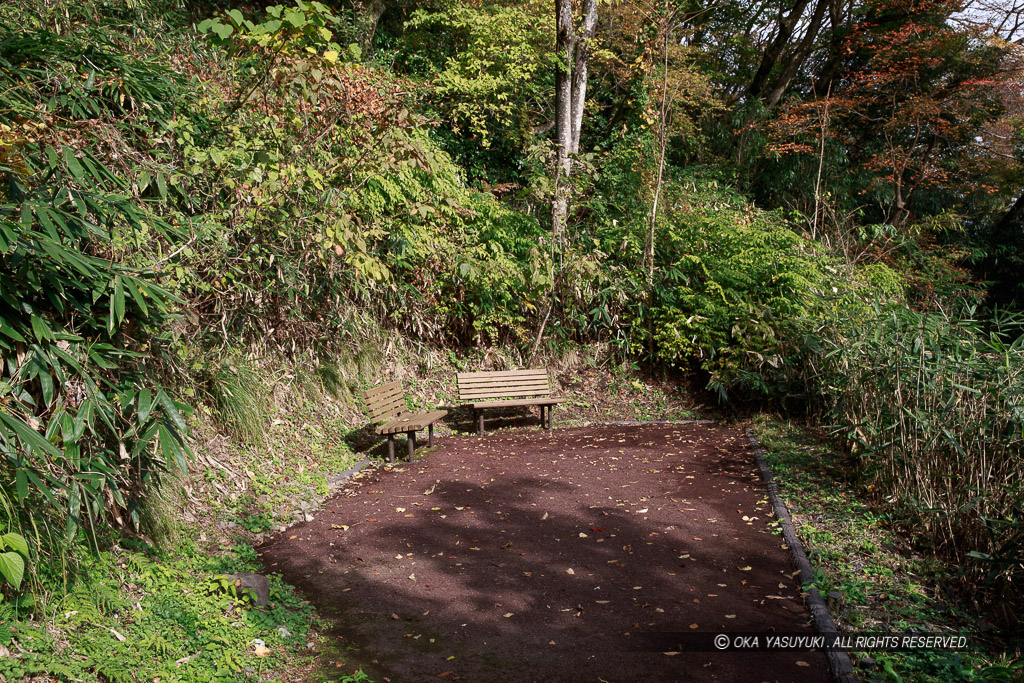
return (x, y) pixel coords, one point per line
(569, 571)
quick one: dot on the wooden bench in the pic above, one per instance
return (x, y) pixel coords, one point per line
(386, 405)
(483, 390)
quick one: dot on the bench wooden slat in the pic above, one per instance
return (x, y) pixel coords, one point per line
(387, 414)
(487, 374)
(411, 422)
(520, 402)
(391, 404)
(505, 382)
(507, 393)
(504, 385)
(383, 388)
(383, 397)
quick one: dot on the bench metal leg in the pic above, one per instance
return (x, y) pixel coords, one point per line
(543, 418)
(550, 408)
(410, 442)
(391, 447)
(479, 423)
(430, 436)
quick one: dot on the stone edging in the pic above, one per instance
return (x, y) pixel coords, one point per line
(838, 660)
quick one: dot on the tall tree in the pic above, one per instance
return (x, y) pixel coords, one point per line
(573, 48)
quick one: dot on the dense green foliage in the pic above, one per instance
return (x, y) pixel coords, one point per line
(931, 405)
(183, 190)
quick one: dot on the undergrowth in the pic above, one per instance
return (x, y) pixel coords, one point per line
(886, 585)
(138, 614)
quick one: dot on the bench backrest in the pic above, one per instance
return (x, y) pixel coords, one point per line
(385, 402)
(480, 386)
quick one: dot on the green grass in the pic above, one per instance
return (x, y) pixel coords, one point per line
(885, 585)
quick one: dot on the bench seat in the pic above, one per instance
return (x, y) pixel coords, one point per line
(519, 402)
(414, 422)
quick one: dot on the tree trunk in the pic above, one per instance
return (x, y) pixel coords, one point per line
(573, 50)
(775, 49)
(579, 75)
(797, 57)
(565, 44)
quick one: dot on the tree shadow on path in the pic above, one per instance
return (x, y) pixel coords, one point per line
(547, 556)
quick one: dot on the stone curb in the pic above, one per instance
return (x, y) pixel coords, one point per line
(355, 469)
(838, 660)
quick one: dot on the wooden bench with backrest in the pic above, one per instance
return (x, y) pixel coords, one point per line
(386, 406)
(506, 389)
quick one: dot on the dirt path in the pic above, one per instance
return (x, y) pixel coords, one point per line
(544, 556)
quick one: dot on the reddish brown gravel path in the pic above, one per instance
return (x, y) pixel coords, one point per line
(543, 556)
